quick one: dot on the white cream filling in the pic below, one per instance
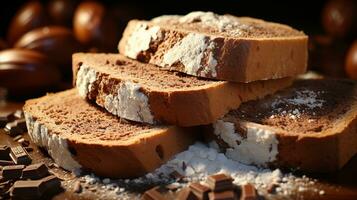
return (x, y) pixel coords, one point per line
(129, 103)
(85, 79)
(190, 52)
(140, 39)
(56, 146)
(260, 147)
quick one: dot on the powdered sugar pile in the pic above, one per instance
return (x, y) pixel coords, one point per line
(198, 162)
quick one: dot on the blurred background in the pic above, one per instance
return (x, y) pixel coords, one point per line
(37, 38)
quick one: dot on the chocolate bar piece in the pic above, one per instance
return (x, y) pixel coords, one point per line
(187, 194)
(220, 182)
(19, 114)
(35, 189)
(12, 172)
(249, 192)
(21, 123)
(20, 156)
(35, 171)
(26, 189)
(6, 162)
(201, 191)
(153, 194)
(4, 152)
(12, 129)
(224, 195)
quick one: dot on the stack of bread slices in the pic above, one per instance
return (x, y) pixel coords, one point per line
(180, 77)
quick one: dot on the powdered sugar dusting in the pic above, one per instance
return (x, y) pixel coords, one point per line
(306, 99)
(198, 162)
(190, 52)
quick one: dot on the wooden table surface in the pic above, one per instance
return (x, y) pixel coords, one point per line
(339, 185)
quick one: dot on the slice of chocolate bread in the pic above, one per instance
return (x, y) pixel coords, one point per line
(78, 134)
(223, 47)
(310, 126)
(145, 93)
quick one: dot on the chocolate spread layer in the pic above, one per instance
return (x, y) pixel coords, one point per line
(308, 106)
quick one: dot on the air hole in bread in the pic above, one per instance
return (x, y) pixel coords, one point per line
(72, 150)
(80, 64)
(160, 151)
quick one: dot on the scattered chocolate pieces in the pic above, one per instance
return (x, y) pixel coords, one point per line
(223, 195)
(5, 118)
(249, 192)
(220, 182)
(200, 190)
(12, 172)
(4, 152)
(187, 194)
(35, 171)
(20, 156)
(153, 194)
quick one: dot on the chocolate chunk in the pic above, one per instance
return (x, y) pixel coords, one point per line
(12, 129)
(224, 195)
(18, 114)
(29, 149)
(249, 192)
(51, 184)
(21, 123)
(12, 172)
(35, 189)
(201, 191)
(20, 156)
(153, 194)
(24, 142)
(6, 162)
(4, 152)
(220, 182)
(187, 194)
(28, 189)
(35, 171)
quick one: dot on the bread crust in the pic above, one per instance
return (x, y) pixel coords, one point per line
(238, 59)
(133, 157)
(183, 107)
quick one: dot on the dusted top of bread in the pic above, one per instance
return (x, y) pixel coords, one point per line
(226, 25)
(309, 106)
